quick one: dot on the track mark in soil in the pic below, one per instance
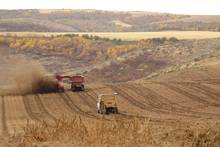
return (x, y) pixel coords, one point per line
(67, 99)
(4, 123)
(194, 97)
(34, 116)
(162, 102)
(184, 109)
(140, 104)
(85, 98)
(209, 92)
(42, 107)
(129, 98)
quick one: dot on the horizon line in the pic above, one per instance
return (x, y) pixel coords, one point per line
(122, 11)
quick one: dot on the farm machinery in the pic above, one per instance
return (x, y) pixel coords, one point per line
(107, 104)
(77, 82)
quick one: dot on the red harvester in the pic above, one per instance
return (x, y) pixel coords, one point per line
(77, 82)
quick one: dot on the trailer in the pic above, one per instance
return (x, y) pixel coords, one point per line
(107, 103)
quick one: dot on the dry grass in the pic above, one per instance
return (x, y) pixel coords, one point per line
(119, 132)
(80, 133)
(129, 35)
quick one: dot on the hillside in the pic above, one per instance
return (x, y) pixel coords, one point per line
(163, 58)
(104, 60)
(205, 70)
(102, 21)
(167, 91)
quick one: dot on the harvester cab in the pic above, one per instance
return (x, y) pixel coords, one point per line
(107, 103)
(77, 82)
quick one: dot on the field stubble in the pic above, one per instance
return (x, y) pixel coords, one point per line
(119, 132)
(140, 121)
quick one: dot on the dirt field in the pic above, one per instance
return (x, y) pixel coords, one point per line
(164, 102)
(177, 111)
(129, 36)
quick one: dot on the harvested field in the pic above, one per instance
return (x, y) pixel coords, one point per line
(173, 104)
(128, 36)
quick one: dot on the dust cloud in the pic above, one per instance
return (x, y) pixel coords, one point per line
(19, 76)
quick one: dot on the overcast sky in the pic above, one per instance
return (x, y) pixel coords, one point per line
(204, 7)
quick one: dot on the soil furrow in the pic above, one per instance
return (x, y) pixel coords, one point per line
(170, 106)
(140, 104)
(16, 114)
(56, 106)
(163, 99)
(182, 109)
(206, 91)
(129, 98)
(4, 123)
(164, 103)
(34, 116)
(85, 98)
(75, 108)
(42, 107)
(185, 92)
(213, 94)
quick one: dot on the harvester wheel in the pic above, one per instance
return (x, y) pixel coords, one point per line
(82, 88)
(73, 87)
(60, 89)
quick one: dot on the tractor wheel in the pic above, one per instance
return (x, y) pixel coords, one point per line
(102, 111)
(106, 111)
(73, 88)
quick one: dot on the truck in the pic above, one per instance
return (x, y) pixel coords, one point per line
(107, 103)
(76, 81)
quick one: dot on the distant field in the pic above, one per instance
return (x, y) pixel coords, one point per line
(129, 35)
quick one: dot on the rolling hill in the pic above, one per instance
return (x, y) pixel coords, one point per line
(105, 60)
(102, 21)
